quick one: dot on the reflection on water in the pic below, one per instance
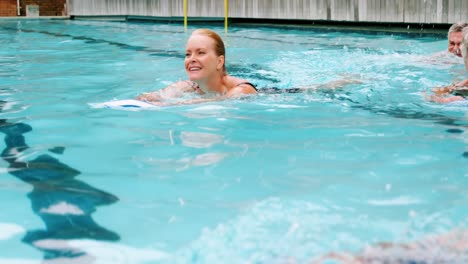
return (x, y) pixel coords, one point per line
(64, 203)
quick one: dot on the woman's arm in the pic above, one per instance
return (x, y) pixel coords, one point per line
(149, 97)
(172, 91)
(450, 88)
(192, 101)
(462, 83)
(444, 100)
(444, 90)
(458, 90)
(336, 84)
(235, 94)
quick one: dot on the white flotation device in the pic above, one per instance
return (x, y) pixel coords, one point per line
(129, 104)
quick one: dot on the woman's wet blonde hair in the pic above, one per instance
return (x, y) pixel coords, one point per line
(219, 44)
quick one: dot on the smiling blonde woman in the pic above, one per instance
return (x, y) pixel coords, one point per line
(204, 63)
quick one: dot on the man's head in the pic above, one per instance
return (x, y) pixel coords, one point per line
(455, 38)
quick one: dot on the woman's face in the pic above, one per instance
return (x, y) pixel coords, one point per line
(201, 61)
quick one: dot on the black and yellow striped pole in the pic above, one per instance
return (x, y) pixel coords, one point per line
(185, 14)
(226, 13)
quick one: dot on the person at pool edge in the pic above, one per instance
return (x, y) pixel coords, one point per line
(455, 36)
(205, 66)
(457, 92)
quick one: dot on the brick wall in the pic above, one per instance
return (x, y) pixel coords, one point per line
(46, 7)
(8, 8)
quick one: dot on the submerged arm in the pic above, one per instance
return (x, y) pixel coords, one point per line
(177, 89)
(444, 100)
(463, 83)
(451, 88)
(337, 84)
(444, 90)
(332, 85)
(192, 101)
(233, 95)
(457, 91)
(172, 91)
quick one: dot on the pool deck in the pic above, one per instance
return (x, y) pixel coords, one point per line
(410, 29)
(422, 29)
(29, 18)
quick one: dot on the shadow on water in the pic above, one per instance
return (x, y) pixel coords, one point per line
(459, 126)
(64, 203)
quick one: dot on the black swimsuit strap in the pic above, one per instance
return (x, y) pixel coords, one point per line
(255, 87)
(275, 90)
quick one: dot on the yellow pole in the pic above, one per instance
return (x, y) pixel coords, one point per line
(226, 12)
(185, 15)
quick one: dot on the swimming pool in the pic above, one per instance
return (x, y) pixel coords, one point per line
(275, 178)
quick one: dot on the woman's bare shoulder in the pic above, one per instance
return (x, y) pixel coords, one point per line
(239, 87)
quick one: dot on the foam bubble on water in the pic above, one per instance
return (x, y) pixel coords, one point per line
(283, 105)
(8, 230)
(11, 107)
(269, 231)
(206, 159)
(266, 72)
(181, 201)
(210, 108)
(21, 261)
(274, 229)
(200, 139)
(401, 200)
(388, 187)
(103, 252)
(287, 106)
(63, 208)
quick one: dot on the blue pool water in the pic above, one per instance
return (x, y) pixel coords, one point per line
(278, 178)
